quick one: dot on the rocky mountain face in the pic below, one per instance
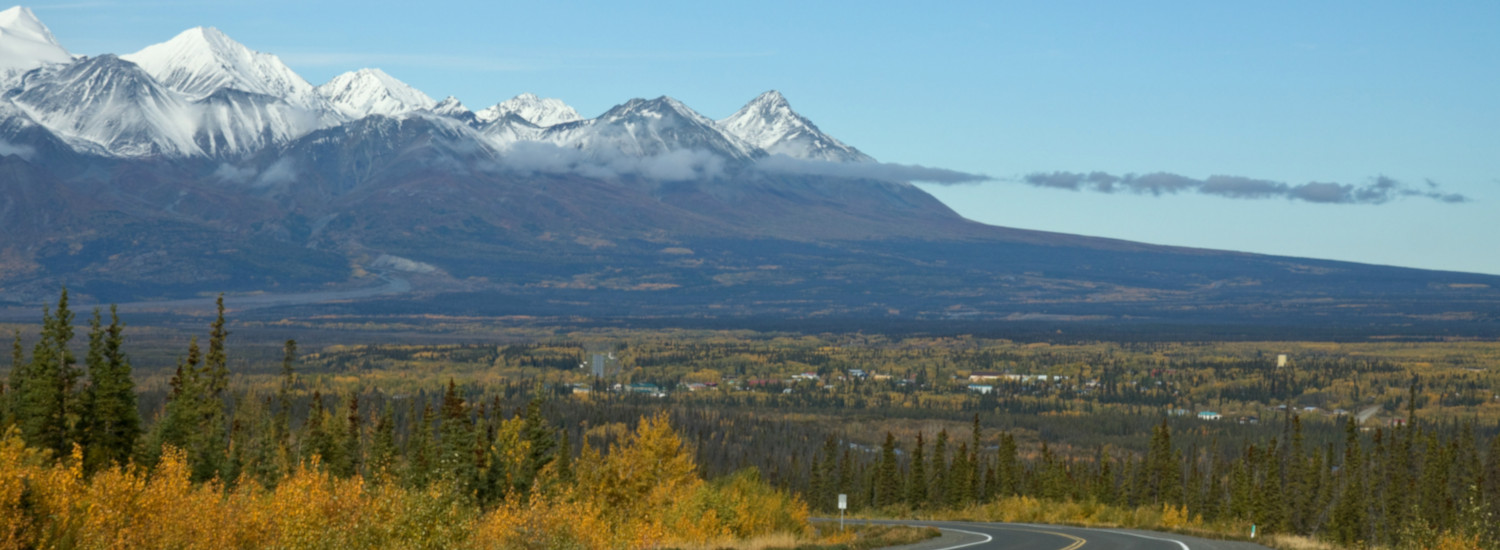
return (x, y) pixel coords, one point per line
(200, 165)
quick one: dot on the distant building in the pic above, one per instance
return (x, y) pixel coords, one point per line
(1209, 415)
(646, 388)
(984, 376)
(1180, 412)
(981, 388)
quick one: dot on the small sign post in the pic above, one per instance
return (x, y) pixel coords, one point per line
(843, 505)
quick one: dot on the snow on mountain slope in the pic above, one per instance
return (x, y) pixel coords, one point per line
(25, 44)
(542, 112)
(450, 106)
(769, 123)
(366, 92)
(644, 128)
(111, 104)
(203, 60)
(510, 129)
(232, 122)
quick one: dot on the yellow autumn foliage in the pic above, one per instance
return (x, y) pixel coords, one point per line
(645, 493)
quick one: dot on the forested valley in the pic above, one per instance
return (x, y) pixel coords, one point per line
(713, 438)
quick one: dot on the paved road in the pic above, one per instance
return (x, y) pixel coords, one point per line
(1022, 536)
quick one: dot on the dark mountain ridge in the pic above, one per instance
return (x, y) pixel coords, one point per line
(246, 179)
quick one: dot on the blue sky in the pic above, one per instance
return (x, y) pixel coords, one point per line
(1293, 92)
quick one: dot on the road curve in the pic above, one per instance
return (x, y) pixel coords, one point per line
(1023, 536)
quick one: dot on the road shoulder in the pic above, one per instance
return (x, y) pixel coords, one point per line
(949, 539)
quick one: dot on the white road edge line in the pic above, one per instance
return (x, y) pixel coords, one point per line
(987, 538)
(1179, 543)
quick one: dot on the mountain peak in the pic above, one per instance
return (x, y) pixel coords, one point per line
(772, 97)
(531, 108)
(769, 123)
(371, 91)
(25, 43)
(203, 60)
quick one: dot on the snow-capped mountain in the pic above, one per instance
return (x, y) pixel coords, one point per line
(366, 92)
(202, 94)
(201, 61)
(231, 122)
(542, 112)
(644, 128)
(25, 44)
(108, 105)
(769, 123)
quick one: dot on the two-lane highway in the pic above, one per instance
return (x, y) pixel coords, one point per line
(1023, 536)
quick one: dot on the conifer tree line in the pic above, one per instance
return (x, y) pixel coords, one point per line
(1398, 487)
(57, 405)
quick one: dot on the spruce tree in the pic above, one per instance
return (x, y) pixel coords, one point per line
(175, 424)
(1490, 488)
(208, 451)
(262, 454)
(1010, 471)
(315, 442)
(957, 494)
(541, 440)
(455, 459)
(111, 423)
(284, 394)
(352, 449)
(383, 451)
(46, 408)
(941, 471)
(18, 371)
(1271, 502)
(1349, 514)
(976, 469)
(827, 498)
(888, 475)
(916, 493)
(421, 455)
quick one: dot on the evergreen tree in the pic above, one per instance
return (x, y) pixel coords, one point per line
(541, 443)
(284, 394)
(350, 446)
(1010, 472)
(565, 459)
(111, 424)
(976, 468)
(1349, 517)
(826, 498)
(958, 482)
(421, 455)
(1435, 502)
(916, 493)
(1271, 502)
(262, 454)
(1163, 473)
(174, 425)
(45, 393)
(383, 451)
(888, 475)
(941, 472)
(1490, 488)
(18, 372)
(315, 442)
(455, 459)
